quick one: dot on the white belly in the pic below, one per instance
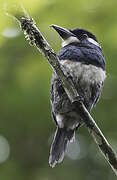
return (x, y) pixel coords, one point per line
(88, 73)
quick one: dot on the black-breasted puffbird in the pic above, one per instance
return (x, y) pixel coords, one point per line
(82, 58)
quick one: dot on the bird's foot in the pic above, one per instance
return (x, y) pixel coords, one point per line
(69, 76)
(79, 99)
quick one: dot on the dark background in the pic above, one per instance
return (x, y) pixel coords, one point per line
(26, 126)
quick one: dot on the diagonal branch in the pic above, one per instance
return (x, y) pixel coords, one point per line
(35, 38)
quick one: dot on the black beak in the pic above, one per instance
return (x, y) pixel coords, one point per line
(63, 32)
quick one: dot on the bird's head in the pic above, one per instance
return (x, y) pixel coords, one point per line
(76, 35)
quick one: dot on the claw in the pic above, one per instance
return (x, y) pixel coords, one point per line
(79, 99)
(69, 76)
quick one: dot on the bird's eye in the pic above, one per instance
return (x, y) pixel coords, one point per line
(85, 36)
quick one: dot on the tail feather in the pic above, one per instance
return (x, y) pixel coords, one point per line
(59, 145)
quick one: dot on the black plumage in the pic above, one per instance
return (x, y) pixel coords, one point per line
(84, 62)
(86, 53)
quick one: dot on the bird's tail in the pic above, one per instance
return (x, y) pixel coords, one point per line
(58, 147)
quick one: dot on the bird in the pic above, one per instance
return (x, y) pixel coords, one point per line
(82, 59)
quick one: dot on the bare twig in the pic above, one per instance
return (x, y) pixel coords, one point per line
(35, 38)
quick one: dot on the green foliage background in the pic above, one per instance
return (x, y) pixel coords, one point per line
(25, 76)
